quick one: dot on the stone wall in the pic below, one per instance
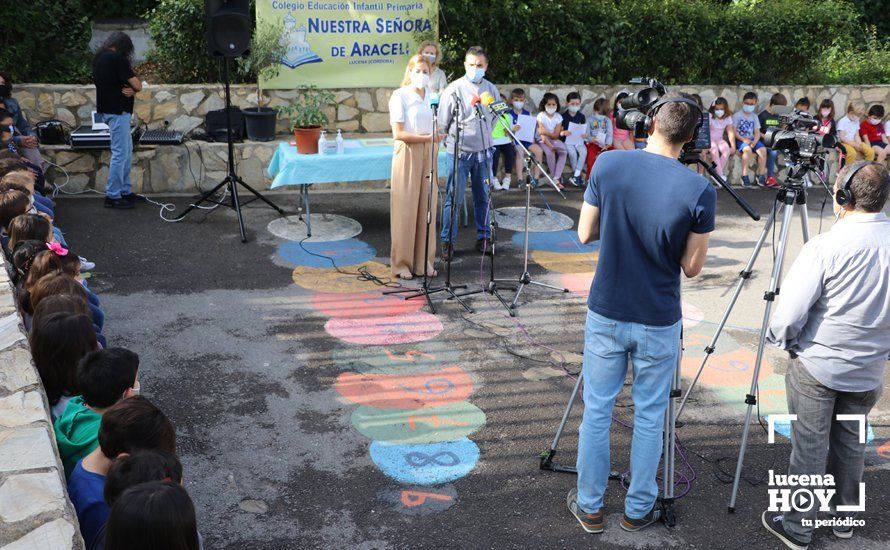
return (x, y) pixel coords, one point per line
(35, 511)
(356, 111)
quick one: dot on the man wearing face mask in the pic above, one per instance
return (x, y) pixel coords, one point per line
(833, 318)
(475, 147)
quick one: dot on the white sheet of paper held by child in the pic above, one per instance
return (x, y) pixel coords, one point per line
(576, 133)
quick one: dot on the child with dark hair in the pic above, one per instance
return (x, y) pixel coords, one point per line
(23, 257)
(872, 131)
(551, 130)
(127, 426)
(770, 119)
(517, 102)
(577, 153)
(802, 104)
(104, 377)
(827, 124)
(58, 343)
(151, 516)
(746, 126)
(13, 203)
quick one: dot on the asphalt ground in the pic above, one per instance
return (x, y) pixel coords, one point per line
(238, 356)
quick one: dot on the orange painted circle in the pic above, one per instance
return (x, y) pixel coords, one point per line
(406, 391)
(411, 327)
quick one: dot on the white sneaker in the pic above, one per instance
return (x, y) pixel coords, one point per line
(505, 183)
(86, 265)
(495, 184)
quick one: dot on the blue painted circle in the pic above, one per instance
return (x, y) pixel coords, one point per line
(555, 241)
(427, 464)
(345, 252)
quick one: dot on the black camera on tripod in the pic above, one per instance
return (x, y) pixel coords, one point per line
(633, 114)
(797, 135)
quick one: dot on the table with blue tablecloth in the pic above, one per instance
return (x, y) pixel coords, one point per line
(362, 160)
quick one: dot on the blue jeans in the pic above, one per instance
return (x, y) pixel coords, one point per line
(477, 166)
(653, 351)
(118, 182)
(771, 157)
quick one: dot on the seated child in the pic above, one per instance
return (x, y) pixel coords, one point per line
(104, 377)
(550, 129)
(503, 147)
(577, 153)
(746, 126)
(517, 101)
(58, 342)
(871, 130)
(599, 131)
(722, 134)
(127, 426)
(158, 511)
(848, 133)
(13, 203)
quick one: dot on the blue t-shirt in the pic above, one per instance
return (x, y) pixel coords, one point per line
(86, 492)
(648, 205)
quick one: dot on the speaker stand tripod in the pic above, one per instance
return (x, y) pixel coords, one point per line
(232, 179)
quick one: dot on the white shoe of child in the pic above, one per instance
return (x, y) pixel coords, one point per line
(505, 183)
(496, 184)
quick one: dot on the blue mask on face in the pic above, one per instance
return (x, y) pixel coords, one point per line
(475, 74)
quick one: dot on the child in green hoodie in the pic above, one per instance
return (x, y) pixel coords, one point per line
(104, 377)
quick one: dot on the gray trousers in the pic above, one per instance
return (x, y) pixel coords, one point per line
(822, 445)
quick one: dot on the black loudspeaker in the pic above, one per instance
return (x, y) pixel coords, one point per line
(215, 124)
(228, 27)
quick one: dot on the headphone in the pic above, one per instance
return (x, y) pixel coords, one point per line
(665, 100)
(844, 195)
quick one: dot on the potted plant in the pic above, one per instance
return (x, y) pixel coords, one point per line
(307, 116)
(266, 50)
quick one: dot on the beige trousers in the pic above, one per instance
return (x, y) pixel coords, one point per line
(408, 208)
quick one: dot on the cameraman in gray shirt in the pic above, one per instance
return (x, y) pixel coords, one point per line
(833, 317)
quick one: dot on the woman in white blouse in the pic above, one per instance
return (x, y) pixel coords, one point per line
(432, 53)
(411, 119)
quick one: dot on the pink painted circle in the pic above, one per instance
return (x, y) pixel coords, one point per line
(417, 326)
(361, 305)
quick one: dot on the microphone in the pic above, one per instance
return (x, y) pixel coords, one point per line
(497, 107)
(475, 104)
(434, 101)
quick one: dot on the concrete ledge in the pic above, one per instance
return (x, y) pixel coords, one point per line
(35, 511)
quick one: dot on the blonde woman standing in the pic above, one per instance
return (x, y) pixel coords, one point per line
(411, 119)
(432, 53)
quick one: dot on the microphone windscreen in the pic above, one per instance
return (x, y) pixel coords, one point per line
(475, 100)
(487, 99)
(434, 99)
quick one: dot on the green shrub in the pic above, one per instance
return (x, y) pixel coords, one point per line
(852, 62)
(45, 41)
(117, 9)
(180, 50)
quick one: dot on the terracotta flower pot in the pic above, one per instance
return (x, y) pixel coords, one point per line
(307, 139)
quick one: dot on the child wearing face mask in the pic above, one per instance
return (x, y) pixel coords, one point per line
(550, 129)
(722, 134)
(746, 126)
(871, 130)
(432, 53)
(577, 153)
(599, 131)
(848, 132)
(517, 102)
(827, 124)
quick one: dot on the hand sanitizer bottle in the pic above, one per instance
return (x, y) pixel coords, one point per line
(322, 143)
(341, 147)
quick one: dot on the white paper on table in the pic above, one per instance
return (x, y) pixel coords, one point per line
(527, 125)
(575, 133)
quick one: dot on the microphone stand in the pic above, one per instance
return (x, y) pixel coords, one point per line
(448, 288)
(525, 279)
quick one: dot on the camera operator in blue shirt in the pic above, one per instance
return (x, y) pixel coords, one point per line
(652, 216)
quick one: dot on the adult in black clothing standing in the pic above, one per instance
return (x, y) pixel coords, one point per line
(116, 84)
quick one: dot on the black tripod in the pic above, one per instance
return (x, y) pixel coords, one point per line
(448, 288)
(232, 179)
(691, 156)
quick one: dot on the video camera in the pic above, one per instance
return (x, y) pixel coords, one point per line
(633, 114)
(797, 135)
